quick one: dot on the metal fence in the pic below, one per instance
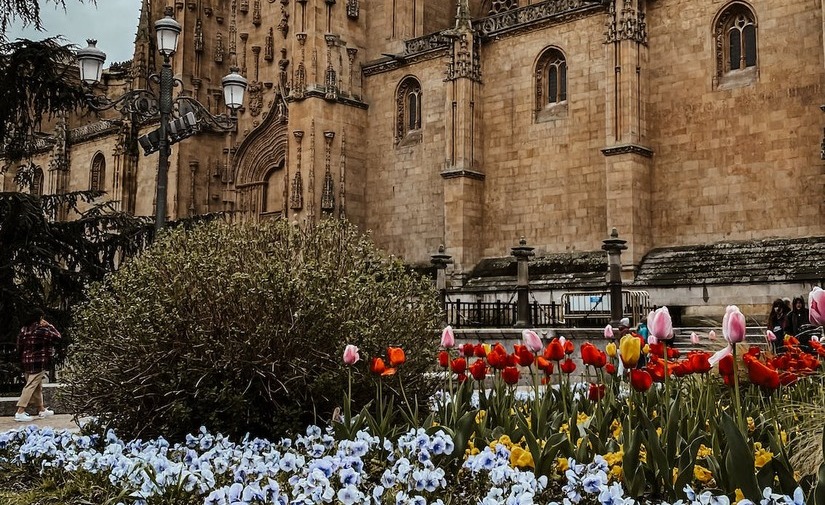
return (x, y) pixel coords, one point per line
(498, 314)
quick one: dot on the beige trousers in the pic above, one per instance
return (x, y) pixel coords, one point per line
(33, 388)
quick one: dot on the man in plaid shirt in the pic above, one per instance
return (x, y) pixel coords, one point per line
(35, 343)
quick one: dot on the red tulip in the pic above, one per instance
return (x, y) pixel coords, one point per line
(640, 380)
(554, 350)
(726, 365)
(467, 350)
(525, 357)
(682, 368)
(462, 377)
(568, 347)
(610, 368)
(510, 375)
(377, 366)
(762, 375)
(497, 357)
(567, 366)
(443, 359)
(699, 362)
(479, 351)
(596, 392)
(459, 365)
(396, 356)
(478, 370)
(589, 353)
(544, 364)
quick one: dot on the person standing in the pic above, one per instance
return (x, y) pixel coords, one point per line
(35, 344)
(778, 322)
(798, 316)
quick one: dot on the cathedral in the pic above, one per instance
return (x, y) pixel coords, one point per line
(692, 127)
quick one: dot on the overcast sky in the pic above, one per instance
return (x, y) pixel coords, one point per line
(112, 22)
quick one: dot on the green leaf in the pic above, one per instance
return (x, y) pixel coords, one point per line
(739, 464)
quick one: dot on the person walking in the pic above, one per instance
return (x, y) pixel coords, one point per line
(778, 323)
(35, 344)
(798, 316)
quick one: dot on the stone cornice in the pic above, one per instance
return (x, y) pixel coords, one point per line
(628, 149)
(534, 17)
(454, 174)
(318, 91)
(387, 64)
(93, 130)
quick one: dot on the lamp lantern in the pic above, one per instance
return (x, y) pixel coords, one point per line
(90, 59)
(234, 86)
(167, 30)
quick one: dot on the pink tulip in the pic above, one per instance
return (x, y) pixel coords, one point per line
(815, 338)
(733, 325)
(771, 336)
(448, 338)
(532, 341)
(816, 300)
(608, 331)
(718, 355)
(652, 340)
(351, 356)
(712, 335)
(660, 324)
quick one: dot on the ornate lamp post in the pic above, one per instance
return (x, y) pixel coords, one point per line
(440, 260)
(614, 247)
(186, 113)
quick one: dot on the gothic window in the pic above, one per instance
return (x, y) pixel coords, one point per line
(551, 85)
(408, 112)
(735, 40)
(37, 182)
(97, 175)
(272, 191)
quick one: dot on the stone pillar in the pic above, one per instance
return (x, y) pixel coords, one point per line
(440, 260)
(614, 247)
(628, 159)
(522, 254)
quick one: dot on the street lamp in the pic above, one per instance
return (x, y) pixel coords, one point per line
(148, 105)
(614, 247)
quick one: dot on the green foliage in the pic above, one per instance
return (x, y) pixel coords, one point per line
(37, 81)
(47, 263)
(241, 328)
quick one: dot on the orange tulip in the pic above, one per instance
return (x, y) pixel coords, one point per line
(396, 356)
(554, 350)
(377, 366)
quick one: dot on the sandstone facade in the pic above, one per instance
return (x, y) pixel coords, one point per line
(428, 122)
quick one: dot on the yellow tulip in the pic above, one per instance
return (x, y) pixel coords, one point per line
(739, 495)
(521, 458)
(704, 452)
(630, 348)
(562, 465)
(610, 349)
(646, 349)
(761, 456)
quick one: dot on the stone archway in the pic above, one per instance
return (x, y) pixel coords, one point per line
(263, 150)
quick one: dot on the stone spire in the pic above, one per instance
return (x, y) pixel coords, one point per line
(143, 60)
(462, 16)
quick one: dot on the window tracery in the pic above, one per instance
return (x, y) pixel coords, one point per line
(408, 111)
(97, 175)
(551, 84)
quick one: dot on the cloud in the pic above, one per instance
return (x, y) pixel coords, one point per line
(112, 22)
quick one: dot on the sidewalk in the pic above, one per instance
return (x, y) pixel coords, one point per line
(57, 421)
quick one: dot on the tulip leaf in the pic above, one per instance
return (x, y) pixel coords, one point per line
(739, 463)
(686, 463)
(819, 489)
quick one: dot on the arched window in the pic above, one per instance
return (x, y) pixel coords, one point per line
(735, 40)
(272, 191)
(37, 181)
(408, 112)
(551, 84)
(97, 176)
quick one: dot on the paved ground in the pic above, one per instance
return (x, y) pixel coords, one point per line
(57, 421)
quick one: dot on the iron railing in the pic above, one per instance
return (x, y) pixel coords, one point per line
(498, 314)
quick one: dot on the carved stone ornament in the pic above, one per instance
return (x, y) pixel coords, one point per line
(283, 24)
(499, 6)
(243, 7)
(269, 47)
(256, 13)
(353, 9)
(328, 192)
(283, 63)
(627, 24)
(465, 62)
(296, 198)
(199, 36)
(532, 16)
(256, 100)
(219, 48)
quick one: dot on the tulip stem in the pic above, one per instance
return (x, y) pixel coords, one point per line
(666, 407)
(561, 391)
(737, 401)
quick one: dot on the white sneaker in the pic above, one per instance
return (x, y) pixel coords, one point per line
(23, 418)
(46, 413)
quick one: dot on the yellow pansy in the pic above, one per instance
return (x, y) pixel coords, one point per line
(751, 425)
(784, 437)
(564, 428)
(675, 474)
(521, 458)
(739, 495)
(616, 428)
(480, 416)
(582, 418)
(471, 449)
(505, 440)
(616, 472)
(702, 474)
(761, 457)
(562, 465)
(614, 458)
(610, 349)
(704, 452)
